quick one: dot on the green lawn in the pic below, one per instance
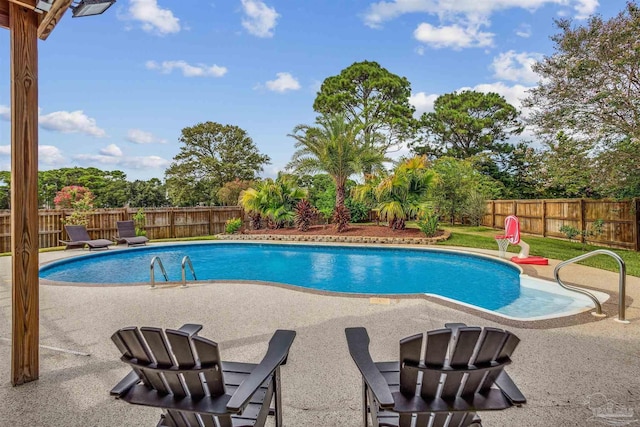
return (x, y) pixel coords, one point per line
(483, 238)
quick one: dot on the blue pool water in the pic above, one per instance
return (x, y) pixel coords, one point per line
(474, 280)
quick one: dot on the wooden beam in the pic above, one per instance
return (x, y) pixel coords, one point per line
(24, 194)
(29, 4)
(4, 14)
(52, 18)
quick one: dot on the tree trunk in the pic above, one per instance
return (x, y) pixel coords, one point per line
(340, 194)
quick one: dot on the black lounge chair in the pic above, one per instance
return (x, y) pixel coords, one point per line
(182, 373)
(393, 394)
(127, 234)
(79, 238)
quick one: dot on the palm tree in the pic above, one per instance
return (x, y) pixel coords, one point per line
(333, 146)
(274, 200)
(402, 195)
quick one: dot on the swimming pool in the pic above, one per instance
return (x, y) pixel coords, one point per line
(481, 282)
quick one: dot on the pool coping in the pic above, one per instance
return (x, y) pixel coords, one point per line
(538, 323)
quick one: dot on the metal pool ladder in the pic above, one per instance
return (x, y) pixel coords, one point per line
(157, 260)
(187, 261)
(621, 282)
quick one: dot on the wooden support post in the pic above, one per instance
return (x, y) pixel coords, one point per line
(23, 24)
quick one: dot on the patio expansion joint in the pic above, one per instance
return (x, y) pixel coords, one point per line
(61, 350)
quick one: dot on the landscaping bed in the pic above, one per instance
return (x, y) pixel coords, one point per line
(353, 234)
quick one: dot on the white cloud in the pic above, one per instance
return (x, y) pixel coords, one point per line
(154, 19)
(585, 8)
(188, 70)
(63, 121)
(111, 150)
(516, 67)
(138, 136)
(454, 36)
(50, 156)
(422, 102)
(260, 19)
(5, 150)
(524, 31)
(283, 83)
(5, 113)
(513, 94)
(71, 122)
(124, 162)
(450, 10)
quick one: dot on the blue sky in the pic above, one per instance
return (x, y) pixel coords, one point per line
(116, 89)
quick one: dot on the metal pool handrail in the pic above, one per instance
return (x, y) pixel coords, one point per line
(155, 260)
(186, 260)
(621, 281)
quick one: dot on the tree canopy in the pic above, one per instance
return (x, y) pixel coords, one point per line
(373, 97)
(590, 86)
(332, 146)
(467, 123)
(211, 155)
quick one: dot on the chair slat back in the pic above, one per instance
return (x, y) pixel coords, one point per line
(454, 365)
(168, 362)
(435, 354)
(77, 232)
(126, 228)
(134, 342)
(410, 349)
(210, 355)
(490, 345)
(162, 353)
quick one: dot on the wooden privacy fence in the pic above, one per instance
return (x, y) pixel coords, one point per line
(621, 228)
(160, 223)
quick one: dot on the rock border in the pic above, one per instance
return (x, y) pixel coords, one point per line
(339, 239)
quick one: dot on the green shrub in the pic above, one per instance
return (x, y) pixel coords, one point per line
(428, 224)
(233, 225)
(359, 211)
(570, 232)
(140, 220)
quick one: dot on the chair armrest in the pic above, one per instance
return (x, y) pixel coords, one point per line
(125, 384)
(510, 389)
(358, 342)
(276, 354)
(190, 328)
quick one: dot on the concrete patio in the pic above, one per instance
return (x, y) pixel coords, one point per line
(564, 371)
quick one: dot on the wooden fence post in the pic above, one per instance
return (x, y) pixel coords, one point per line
(544, 218)
(636, 224)
(515, 207)
(172, 224)
(493, 214)
(582, 220)
(210, 210)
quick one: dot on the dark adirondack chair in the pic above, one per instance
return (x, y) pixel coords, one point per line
(79, 238)
(462, 373)
(182, 373)
(127, 234)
